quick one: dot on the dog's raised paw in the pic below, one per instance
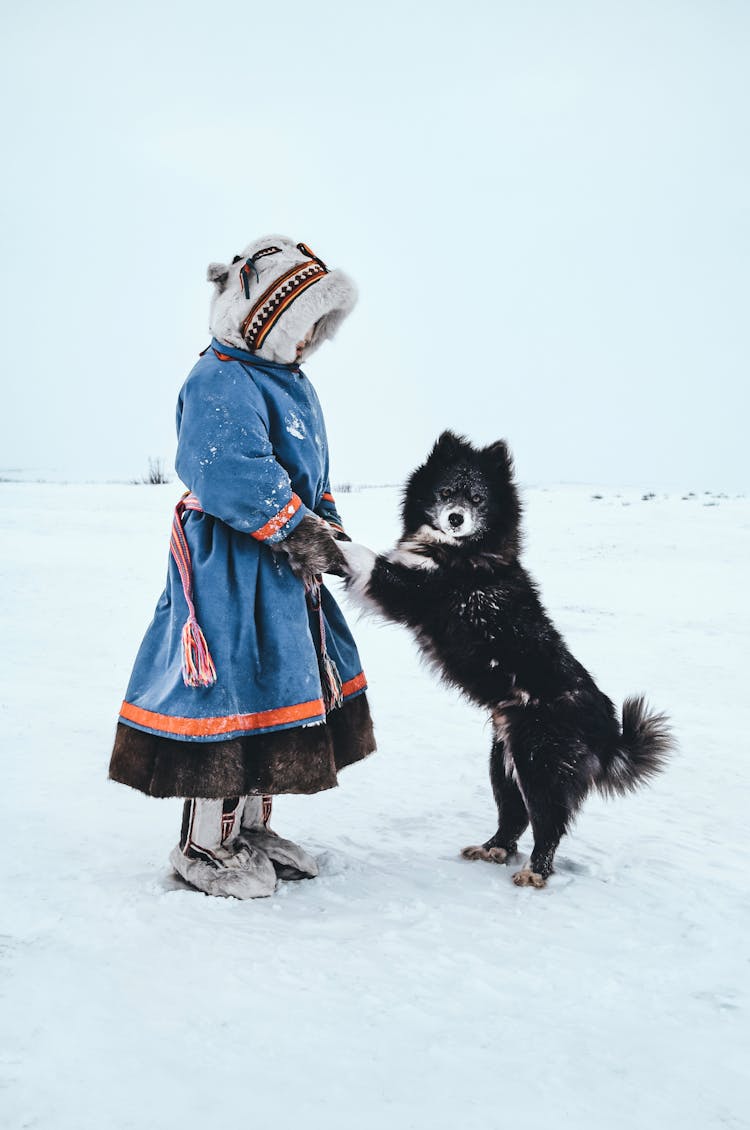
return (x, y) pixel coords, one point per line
(490, 855)
(526, 878)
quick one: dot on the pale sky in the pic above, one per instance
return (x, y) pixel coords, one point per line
(546, 207)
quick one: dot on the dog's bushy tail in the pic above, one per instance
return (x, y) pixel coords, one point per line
(643, 749)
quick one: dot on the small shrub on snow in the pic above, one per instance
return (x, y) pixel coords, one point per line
(157, 473)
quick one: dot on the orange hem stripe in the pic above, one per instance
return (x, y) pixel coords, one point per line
(208, 727)
(273, 525)
(205, 727)
(358, 683)
(328, 497)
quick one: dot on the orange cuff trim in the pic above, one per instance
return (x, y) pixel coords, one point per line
(208, 727)
(328, 497)
(279, 520)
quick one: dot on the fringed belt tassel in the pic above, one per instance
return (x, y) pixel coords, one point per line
(330, 679)
(197, 665)
(198, 668)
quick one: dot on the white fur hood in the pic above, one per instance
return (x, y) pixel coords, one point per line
(313, 300)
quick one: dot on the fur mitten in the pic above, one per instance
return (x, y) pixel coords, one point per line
(289, 859)
(311, 549)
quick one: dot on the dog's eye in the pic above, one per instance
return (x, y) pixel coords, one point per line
(476, 498)
(446, 493)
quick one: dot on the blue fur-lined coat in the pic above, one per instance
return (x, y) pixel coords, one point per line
(252, 449)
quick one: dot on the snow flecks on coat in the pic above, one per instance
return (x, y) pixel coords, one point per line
(295, 426)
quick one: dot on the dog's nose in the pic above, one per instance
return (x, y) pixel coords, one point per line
(456, 520)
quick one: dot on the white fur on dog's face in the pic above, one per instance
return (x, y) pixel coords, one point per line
(456, 521)
(311, 319)
(458, 509)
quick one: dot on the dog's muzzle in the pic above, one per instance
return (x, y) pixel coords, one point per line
(456, 521)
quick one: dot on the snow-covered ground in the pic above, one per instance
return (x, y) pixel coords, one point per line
(404, 988)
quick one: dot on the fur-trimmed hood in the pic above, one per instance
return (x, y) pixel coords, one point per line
(273, 295)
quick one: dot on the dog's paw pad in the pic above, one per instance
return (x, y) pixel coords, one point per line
(490, 855)
(526, 878)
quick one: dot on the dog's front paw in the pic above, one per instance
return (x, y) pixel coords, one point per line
(359, 560)
(526, 878)
(481, 851)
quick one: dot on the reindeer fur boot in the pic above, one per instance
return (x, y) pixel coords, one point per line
(211, 856)
(289, 860)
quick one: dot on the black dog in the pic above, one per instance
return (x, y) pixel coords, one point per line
(455, 579)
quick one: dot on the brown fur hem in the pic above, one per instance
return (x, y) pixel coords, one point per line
(305, 759)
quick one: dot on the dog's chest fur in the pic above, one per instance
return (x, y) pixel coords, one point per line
(479, 622)
(464, 633)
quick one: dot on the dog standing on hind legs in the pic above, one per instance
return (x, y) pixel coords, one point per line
(454, 578)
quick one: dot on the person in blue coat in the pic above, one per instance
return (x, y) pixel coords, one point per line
(248, 682)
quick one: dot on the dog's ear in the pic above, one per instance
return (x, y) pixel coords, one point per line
(448, 445)
(498, 459)
(218, 273)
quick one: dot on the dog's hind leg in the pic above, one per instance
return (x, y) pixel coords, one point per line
(547, 835)
(512, 817)
(552, 802)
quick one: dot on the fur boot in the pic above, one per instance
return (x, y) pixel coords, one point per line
(212, 857)
(289, 860)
